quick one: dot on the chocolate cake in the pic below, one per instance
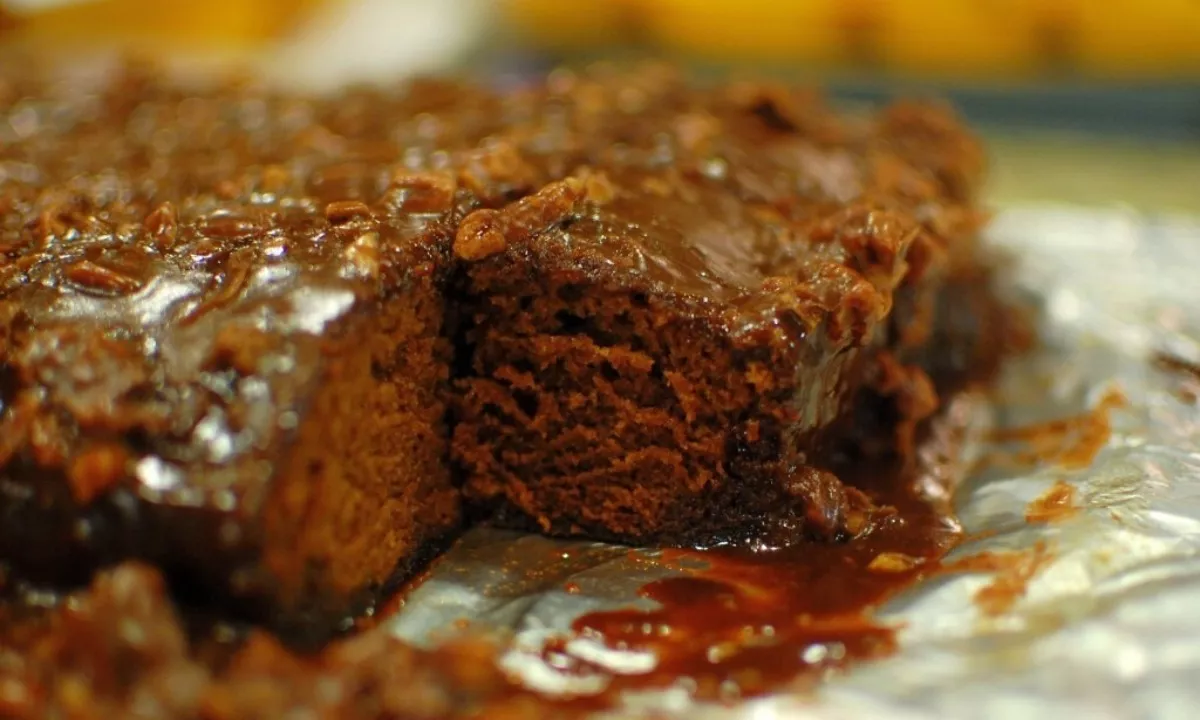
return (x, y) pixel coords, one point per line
(220, 327)
(270, 343)
(670, 344)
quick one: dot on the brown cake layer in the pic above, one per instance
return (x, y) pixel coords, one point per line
(671, 343)
(221, 333)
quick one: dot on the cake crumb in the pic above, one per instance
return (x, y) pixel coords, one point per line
(893, 562)
(1057, 503)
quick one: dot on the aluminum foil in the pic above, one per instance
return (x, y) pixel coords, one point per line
(1108, 626)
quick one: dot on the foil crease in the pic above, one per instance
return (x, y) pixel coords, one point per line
(1109, 627)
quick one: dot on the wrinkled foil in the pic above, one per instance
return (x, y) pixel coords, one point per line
(1108, 628)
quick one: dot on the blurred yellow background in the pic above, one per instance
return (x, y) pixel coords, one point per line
(154, 24)
(1115, 38)
(945, 37)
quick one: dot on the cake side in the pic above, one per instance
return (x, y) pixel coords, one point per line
(362, 497)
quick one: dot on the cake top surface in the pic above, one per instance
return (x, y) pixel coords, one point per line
(163, 190)
(141, 182)
(734, 202)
